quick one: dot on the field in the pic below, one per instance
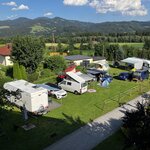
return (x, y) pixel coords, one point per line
(76, 111)
(1, 45)
(77, 45)
(116, 141)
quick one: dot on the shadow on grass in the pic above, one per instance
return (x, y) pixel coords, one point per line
(47, 131)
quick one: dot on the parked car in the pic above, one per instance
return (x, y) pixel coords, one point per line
(125, 76)
(54, 90)
(140, 75)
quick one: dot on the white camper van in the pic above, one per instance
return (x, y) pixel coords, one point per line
(35, 99)
(75, 84)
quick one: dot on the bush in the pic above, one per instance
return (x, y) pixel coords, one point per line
(23, 72)
(33, 77)
(2, 74)
(46, 73)
(55, 63)
(4, 80)
(74, 52)
(9, 71)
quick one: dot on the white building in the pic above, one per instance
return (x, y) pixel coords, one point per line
(5, 53)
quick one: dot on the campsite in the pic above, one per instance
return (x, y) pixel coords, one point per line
(74, 75)
(74, 112)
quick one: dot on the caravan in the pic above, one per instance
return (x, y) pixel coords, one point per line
(74, 84)
(28, 95)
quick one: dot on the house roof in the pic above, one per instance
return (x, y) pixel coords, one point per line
(70, 68)
(77, 57)
(5, 50)
(96, 58)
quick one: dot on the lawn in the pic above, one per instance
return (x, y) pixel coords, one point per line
(116, 141)
(76, 110)
(1, 45)
(136, 45)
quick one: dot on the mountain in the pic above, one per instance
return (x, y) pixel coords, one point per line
(59, 26)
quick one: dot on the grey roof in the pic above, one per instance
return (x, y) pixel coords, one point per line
(77, 57)
(96, 58)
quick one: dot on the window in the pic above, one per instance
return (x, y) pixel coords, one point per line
(63, 82)
(69, 83)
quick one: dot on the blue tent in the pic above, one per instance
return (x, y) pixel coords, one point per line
(105, 83)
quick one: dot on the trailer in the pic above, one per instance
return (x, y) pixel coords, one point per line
(28, 95)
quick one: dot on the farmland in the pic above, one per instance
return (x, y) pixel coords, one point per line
(76, 110)
(77, 45)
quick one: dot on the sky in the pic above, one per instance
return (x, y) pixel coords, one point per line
(82, 10)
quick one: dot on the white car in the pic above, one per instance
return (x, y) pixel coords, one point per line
(54, 90)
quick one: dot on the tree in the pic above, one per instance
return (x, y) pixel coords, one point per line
(147, 44)
(23, 72)
(28, 51)
(55, 63)
(60, 47)
(16, 71)
(146, 49)
(115, 52)
(136, 126)
(100, 49)
(70, 45)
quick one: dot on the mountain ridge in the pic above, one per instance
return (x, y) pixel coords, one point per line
(60, 26)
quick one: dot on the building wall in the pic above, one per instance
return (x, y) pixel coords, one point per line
(8, 61)
(5, 60)
(2, 60)
(78, 62)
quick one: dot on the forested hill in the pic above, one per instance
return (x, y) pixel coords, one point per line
(46, 26)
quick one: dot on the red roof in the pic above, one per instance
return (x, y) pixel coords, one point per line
(5, 50)
(70, 68)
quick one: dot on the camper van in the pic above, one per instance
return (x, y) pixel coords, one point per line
(28, 95)
(73, 86)
(74, 83)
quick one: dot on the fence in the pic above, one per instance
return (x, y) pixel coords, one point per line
(112, 102)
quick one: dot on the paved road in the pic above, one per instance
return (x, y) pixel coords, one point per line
(92, 134)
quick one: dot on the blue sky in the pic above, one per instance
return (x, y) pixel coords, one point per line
(83, 10)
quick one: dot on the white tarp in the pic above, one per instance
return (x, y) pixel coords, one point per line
(136, 62)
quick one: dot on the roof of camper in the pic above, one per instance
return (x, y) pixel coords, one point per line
(23, 86)
(132, 60)
(75, 77)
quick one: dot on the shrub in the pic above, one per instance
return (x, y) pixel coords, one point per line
(55, 63)
(33, 77)
(46, 73)
(23, 72)
(16, 71)
(2, 74)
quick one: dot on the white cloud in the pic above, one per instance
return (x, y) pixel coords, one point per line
(76, 2)
(48, 14)
(21, 7)
(126, 7)
(10, 3)
(12, 17)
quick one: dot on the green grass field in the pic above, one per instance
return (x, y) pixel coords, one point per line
(115, 142)
(136, 45)
(1, 45)
(76, 110)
